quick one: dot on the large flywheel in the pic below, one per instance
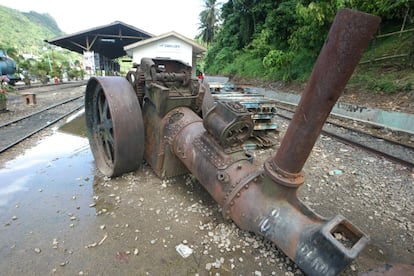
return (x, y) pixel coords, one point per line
(115, 125)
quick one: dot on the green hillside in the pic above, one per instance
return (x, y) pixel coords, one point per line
(25, 32)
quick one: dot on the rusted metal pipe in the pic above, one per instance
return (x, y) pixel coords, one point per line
(348, 37)
(217, 171)
(257, 204)
(266, 202)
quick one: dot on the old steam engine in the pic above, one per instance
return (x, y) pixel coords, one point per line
(8, 68)
(162, 115)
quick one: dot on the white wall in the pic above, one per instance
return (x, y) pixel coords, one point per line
(169, 47)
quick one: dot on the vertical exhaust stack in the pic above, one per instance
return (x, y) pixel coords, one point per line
(348, 37)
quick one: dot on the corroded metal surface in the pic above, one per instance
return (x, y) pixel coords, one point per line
(217, 171)
(115, 125)
(229, 122)
(137, 80)
(348, 37)
(168, 88)
(173, 79)
(264, 202)
(257, 204)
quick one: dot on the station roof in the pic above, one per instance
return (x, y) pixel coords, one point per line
(108, 40)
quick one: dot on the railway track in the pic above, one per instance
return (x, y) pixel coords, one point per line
(338, 128)
(17, 130)
(372, 141)
(51, 87)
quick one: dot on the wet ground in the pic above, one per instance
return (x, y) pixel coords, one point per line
(58, 215)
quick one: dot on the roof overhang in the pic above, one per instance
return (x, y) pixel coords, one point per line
(108, 40)
(197, 48)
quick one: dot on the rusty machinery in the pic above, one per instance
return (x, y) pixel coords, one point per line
(159, 113)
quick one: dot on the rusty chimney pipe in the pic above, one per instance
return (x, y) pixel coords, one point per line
(348, 37)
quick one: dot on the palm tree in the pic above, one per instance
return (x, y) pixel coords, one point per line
(208, 21)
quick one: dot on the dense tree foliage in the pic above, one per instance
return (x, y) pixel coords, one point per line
(280, 39)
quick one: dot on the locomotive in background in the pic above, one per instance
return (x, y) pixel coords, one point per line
(8, 68)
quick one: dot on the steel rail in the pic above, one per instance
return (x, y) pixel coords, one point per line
(40, 111)
(345, 140)
(40, 128)
(388, 156)
(353, 129)
(63, 85)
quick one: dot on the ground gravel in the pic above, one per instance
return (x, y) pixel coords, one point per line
(140, 219)
(375, 194)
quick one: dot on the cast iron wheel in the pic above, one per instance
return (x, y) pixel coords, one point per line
(115, 125)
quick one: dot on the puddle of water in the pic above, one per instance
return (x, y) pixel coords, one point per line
(49, 165)
(45, 201)
(76, 124)
(54, 166)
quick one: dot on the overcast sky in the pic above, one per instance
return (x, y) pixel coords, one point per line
(153, 16)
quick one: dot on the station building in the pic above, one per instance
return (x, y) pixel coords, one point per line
(102, 46)
(169, 45)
